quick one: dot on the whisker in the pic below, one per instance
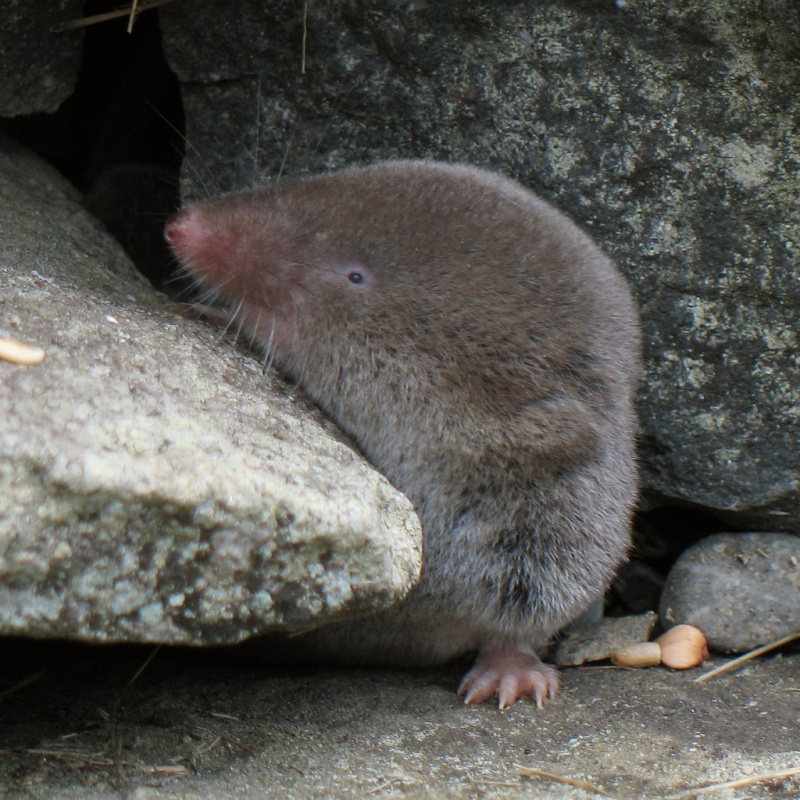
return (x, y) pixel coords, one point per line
(188, 146)
(198, 177)
(254, 332)
(238, 313)
(234, 313)
(285, 156)
(206, 295)
(270, 351)
(337, 104)
(258, 130)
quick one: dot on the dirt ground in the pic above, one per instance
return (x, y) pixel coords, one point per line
(91, 722)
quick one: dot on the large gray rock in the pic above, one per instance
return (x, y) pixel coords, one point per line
(39, 64)
(155, 485)
(668, 130)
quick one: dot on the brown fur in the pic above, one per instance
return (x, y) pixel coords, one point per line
(486, 365)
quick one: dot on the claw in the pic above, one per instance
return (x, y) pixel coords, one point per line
(508, 674)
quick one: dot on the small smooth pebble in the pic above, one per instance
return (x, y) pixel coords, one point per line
(741, 589)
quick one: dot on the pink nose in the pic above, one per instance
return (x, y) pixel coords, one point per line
(175, 229)
(195, 240)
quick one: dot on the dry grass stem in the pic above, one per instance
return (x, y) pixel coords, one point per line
(500, 784)
(392, 782)
(384, 785)
(737, 662)
(131, 12)
(208, 747)
(223, 715)
(682, 795)
(24, 682)
(170, 770)
(305, 38)
(134, 13)
(737, 784)
(73, 756)
(531, 772)
(115, 738)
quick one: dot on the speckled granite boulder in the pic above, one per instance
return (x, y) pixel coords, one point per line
(155, 484)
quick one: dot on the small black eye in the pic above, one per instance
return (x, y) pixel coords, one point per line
(355, 277)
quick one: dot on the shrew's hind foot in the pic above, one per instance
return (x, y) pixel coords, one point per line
(509, 674)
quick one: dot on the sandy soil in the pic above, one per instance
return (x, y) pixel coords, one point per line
(191, 725)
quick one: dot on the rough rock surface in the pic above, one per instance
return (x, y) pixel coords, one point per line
(599, 640)
(741, 589)
(153, 485)
(39, 65)
(668, 130)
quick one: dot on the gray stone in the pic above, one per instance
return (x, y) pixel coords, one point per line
(39, 64)
(667, 130)
(741, 589)
(155, 484)
(597, 641)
